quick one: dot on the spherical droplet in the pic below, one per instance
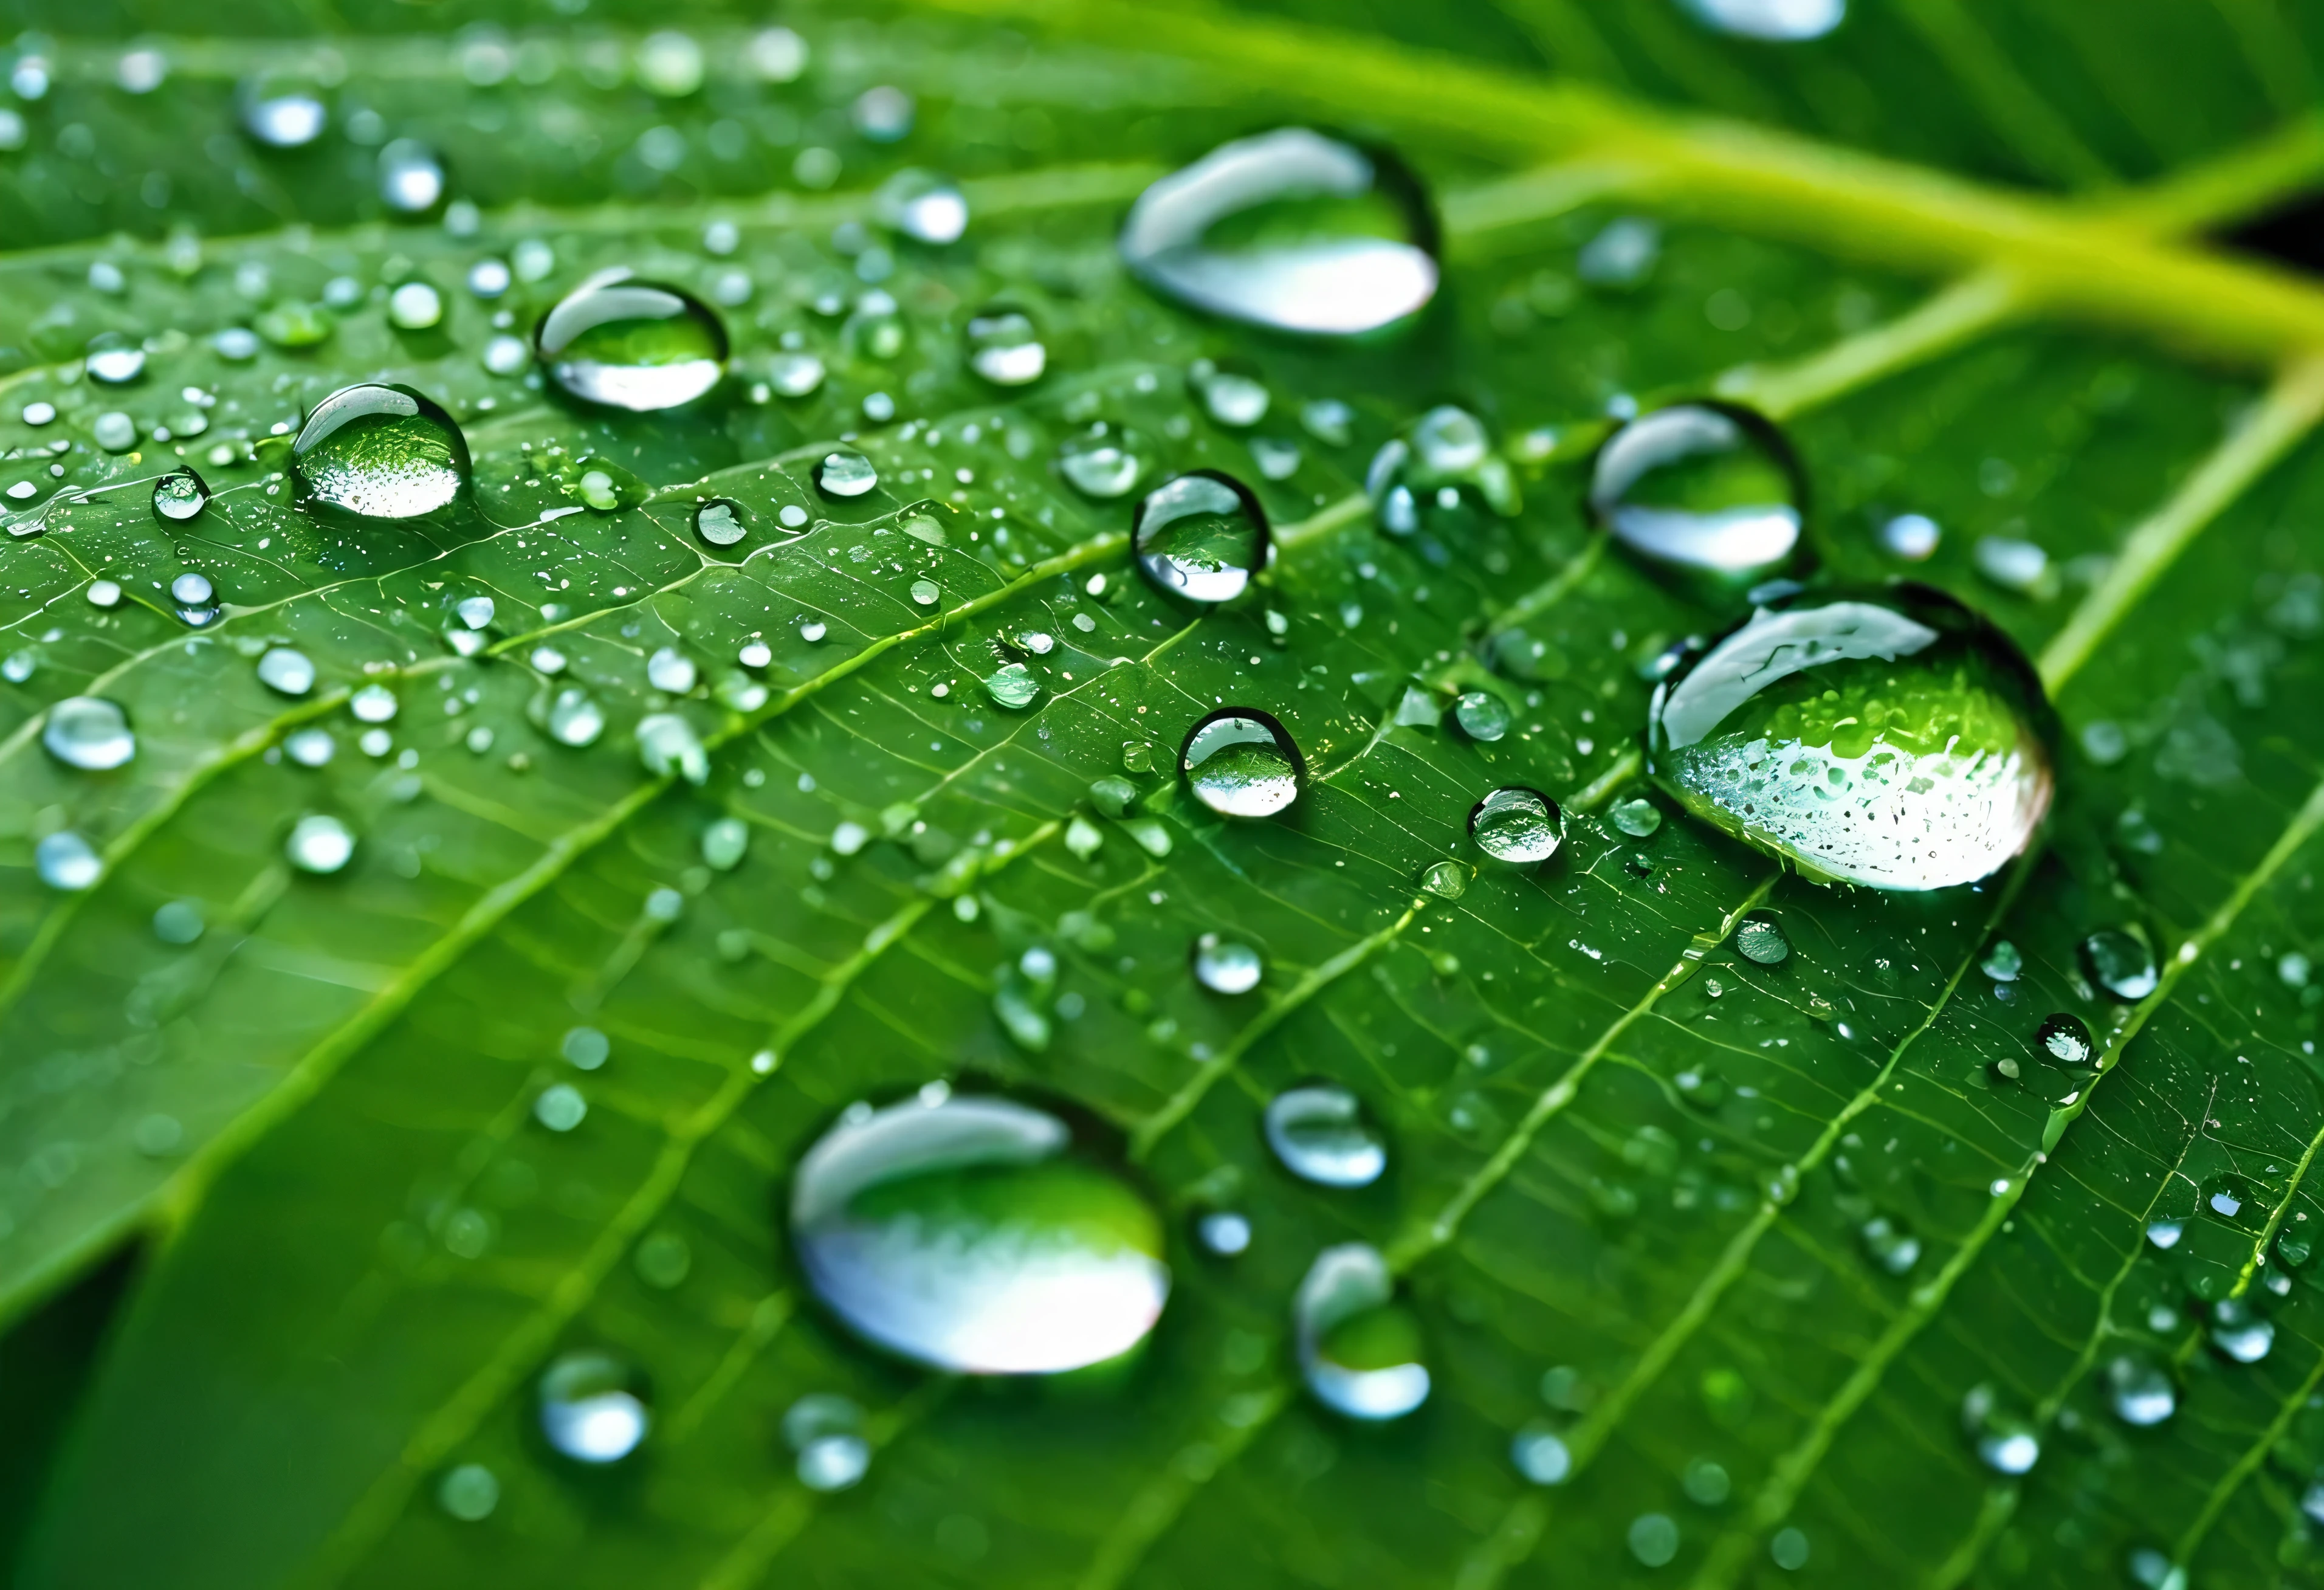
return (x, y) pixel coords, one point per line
(1224, 1232)
(1005, 346)
(976, 1236)
(469, 1493)
(574, 719)
(282, 110)
(380, 451)
(114, 358)
(1239, 761)
(671, 671)
(65, 861)
(1898, 740)
(2121, 961)
(1703, 490)
(2066, 1039)
(1518, 825)
(287, 671)
(1103, 462)
(632, 344)
(179, 922)
(720, 522)
(1360, 1349)
(2007, 1442)
(1637, 817)
(846, 475)
(924, 206)
(415, 307)
(1541, 1454)
(1652, 1538)
(1321, 1134)
(1290, 230)
(593, 1408)
(411, 177)
(827, 1432)
(179, 494)
(560, 1107)
(319, 843)
(1223, 966)
(2141, 1389)
(88, 732)
(1760, 940)
(373, 704)
(1482, 715)
(1201, 536)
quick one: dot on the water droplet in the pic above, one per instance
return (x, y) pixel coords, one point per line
(1653, 1538)
(1760, 938)
(560, 1107)
(65, 861)
(373, 704)
(114, 358)
(1223, 966)
(720, 522)
(1231, 397)
(671, 671)
(2121, 961)
(1894, 1248)
(1224, 1232)
(1201, 536)
(2141, 1389)
(1005, 346)
(1360, 1349)
(382, 452)
(632, 344)
(1778, 21)
(1289, 230)
(593, 1407)
(924, 206)
(309, 747)
(1239, 761)
(2066, 1039)
(926, 593)
(827, 1432)
(88, 732)
(976, 1236)
(1637, 817)
(1012, 684)
(1442, 475)
(668, 746)
(1447, 879)
(1913, 537)
(1321, 1134)
(670, 64)
(1518, 825)
(1703, 490)
(1482, 715)
(1103, 462)
(411, 177)
(1899, 741)
(179, 494)
(415, 307)
(281, 110)
(2008, 1442)
(2239, 1331)
(846, 475)
(319, 844)
(726, 842)
(1789, 1550)
(469, 1493)
(574, 719)
(1541, 1454)
(179, 922)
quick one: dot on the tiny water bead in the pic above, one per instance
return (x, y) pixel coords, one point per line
(560, 1107)
(113, 359)
(2121, 960)
(1442, 475)
(180, 495)
(2240, 1332)
(844, 474)
(196, 597)
(574, 719)
(1893, 739)
(1005, 346)
(1541, 1454)
(1224, 1232)
(720, 521)
(381, 452)
(2140, 1389)
(2065, 1038)
(827, 1433)
(1290, 230)
(281, 110)
(1518, 825)
(286, 672)
(1702, 490)
(66, 862)
(1637, 817)
(1653, 1538)
(1223, 966)
(1780, 21)
(1011, 685)
(89, 733)
(1482, 715)
(977, 1235)
(1360, 1349)
(469, 1493)
(632, 344)
(1321, 1134)
(1760, 940)
(319, 844)
(1201, 536)
(1239, 761)
(179, 922)
(1103, 462)
(2007, 1442)
(593, 1407)
(923, 205)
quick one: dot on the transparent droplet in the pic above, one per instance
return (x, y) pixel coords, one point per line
(1788, 1550)
(1224, 1232)
(114, 358)
(2007, 1442)
(670, 64)
(560, 1107)
(1239, 761)
(720, 522)
(2240, 1331)
(2121, 961)
(1012, 684)
(1290, 230)
(382, 452)
(977, 1235)
(65, 861)
(309, 747)
(1321, 1134)
(1541, 1454)
(2141, 1389)
(411, 177)
(671, 671)
(593, 1407)
(88, 732)
(1231, 397)
(1518, 825)
(1652, 1538)
(827, 1433)
(1760, 938)
(924, 206)
(1482, 715)
(1103, 462)
(846, 475)
(1894, 1248)
(179, 922)
(1005, 346)
(281, 110)
(1360, 1349)
(1913, 537)
(2065, 1038)
(415, 307)
(632, 344)
(1703, 490)
(1201, 536)
(469, 1493)
(319, 843)
(1223, 965)
(668, 746)
(1898, 740)
(575, 718)
(1637, 817)
(926, 593)
(1776, 20)
(1447, 879)
(179, 494)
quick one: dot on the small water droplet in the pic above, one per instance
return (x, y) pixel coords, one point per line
(381, 451)
(1223, 965)
(1760, 938)
(1637, 817)
(1913, 537)
(1239, 761)
(726, 842)
(2141, 1389)
(179, 922)
(1482, 715)
(1541, 1454)
(633, 345)
(1776, 20)
(1894, 1248)
(2065, 1038)
(1360, 1349)
(977, 1235)
(1290, 230)
(1103, 462)
(671, 671)
(114, 358)
(593, 1407)
(1447, 879)
(812, 631)
(923, 205)
(560, 1107)
(720, 521)
(2121, 960)
(1321, 1134)
(668, 746)
(1201, 536)
(846, 475)
(89, 733)
(827, 1433)
(2007, 1442)
(411, 177)
(1224, 1232)
(309, 747)
(1012, 684)
(1652, 1538)
(319, 843)
(1789, 1548)
(469, 1493)
(373, 704)
(179, 494)
(65, 861)
(1703, 490)
(2239, 1330)
(1518, 825)
(281, 110)
(926, 593)
(1005, 346)
(1231, 397)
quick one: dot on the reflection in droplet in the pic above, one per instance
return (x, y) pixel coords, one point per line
(1778, 21)
(668, 747)
(382, 452)
(282, 111)
(1541, 1454)
(1759, 938)
(411, 177)
(1321, 1132)
(2065, 1038)
(179, 494)
(1639, 817)
(65, 861)
(114, 358)
(1102, 462)
(1482, 715)
(593, 1408)
(1005, 346)
(827, 1432)
(1223, 965)
(2239, 1331)
(319, 843)
(2141, 1389)
(846, 475)
(632, 344)
(1701, 489)
(1898, 740)
(1012, 684)
(720, 521)
(1239, 761)
(2121, 961)
(976, 1236)
(1290, 230)
(1518, 825)
(469, 1493)
(88, 732)
(1201, 536)
(1360, 1349)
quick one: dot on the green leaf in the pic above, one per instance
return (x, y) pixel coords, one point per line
(1722, 1265)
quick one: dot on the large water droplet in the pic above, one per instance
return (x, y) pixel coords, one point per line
(1778, 21)
(2121, 961)
(1518, 825)
(1360, 1349)
(2141, 1389)
(1005, 346)
(1898, 740)
(632, 344)
(593, 1408)
(1482, 715)
(976, 1236)
(1103, 462)
(1321, 1134)
(1239, 761)
(1702, 490)
(720, 522)
(2065, 1038)
(88, 732)
(1289, 230)
(114, 358)
(1223, 965)
(845, 473)
(1201, 536)
(179, 494)
(383, 452)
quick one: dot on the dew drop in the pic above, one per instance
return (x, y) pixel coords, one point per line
(1447, 879)
(1702, 490)
(560, 1107)
(668, 746)
(373, 704)
(2065, 1038)
(469, 1493)
(671, 671)
(1652, 1538)
(1360, 1349)
(1290, 230)
(2239, 1331)
(282, 111)
(179, 494)
(2140, 1389)
(1321, 1134)
(319, 843)
(1239, 761)
(593, 1407)
(179, 922)
(1013, 686)
(827, 1434)
(1224, 1232)
(89, 733)
(411, 177)
(65, 861)
(2121, 961)
(923, 205)
(1482, 715)
(1541, 1454)
(1223, 965)
(977, 1235)
(1201, 536)
(1637, 817)
(1913, 537)
(1005, 346)
(415, 306)
(1760, 940)
(1518, 825)
(2006, 1443)
(382, 452)
(1103, 462)
(114, 358)
(632, 344)
(574, 719)
(1776, 21)
(846, 475)
(720, 522)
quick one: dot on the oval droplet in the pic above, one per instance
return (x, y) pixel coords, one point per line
(2141, 1389)
(1103, 462)
(289, 672)
(382, 452)
(1201, 536)
(827, 1432)
(88, 732)
(66, 862)
(593, 1407)
(1896, 740)
(1443, 476)
(1239, 761)
(923, 205)
(976, 1236)
(720, 521)
(1482, 715)
(1703, 490)
(632, 344)
(1289, 230)
(1223, 966)
(1760, 940)
(2007, 1442)
(1518, 825)
(1637, 817)
(1360, 1349)
(1005, 346)
(2240, 1331)
(2065, 1038)
(2121, 961)
(1778, 21)
(1012, 684)
(320, 843)
(281, 110)
(179, 494)
(1321, 1132)
(846, 475)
